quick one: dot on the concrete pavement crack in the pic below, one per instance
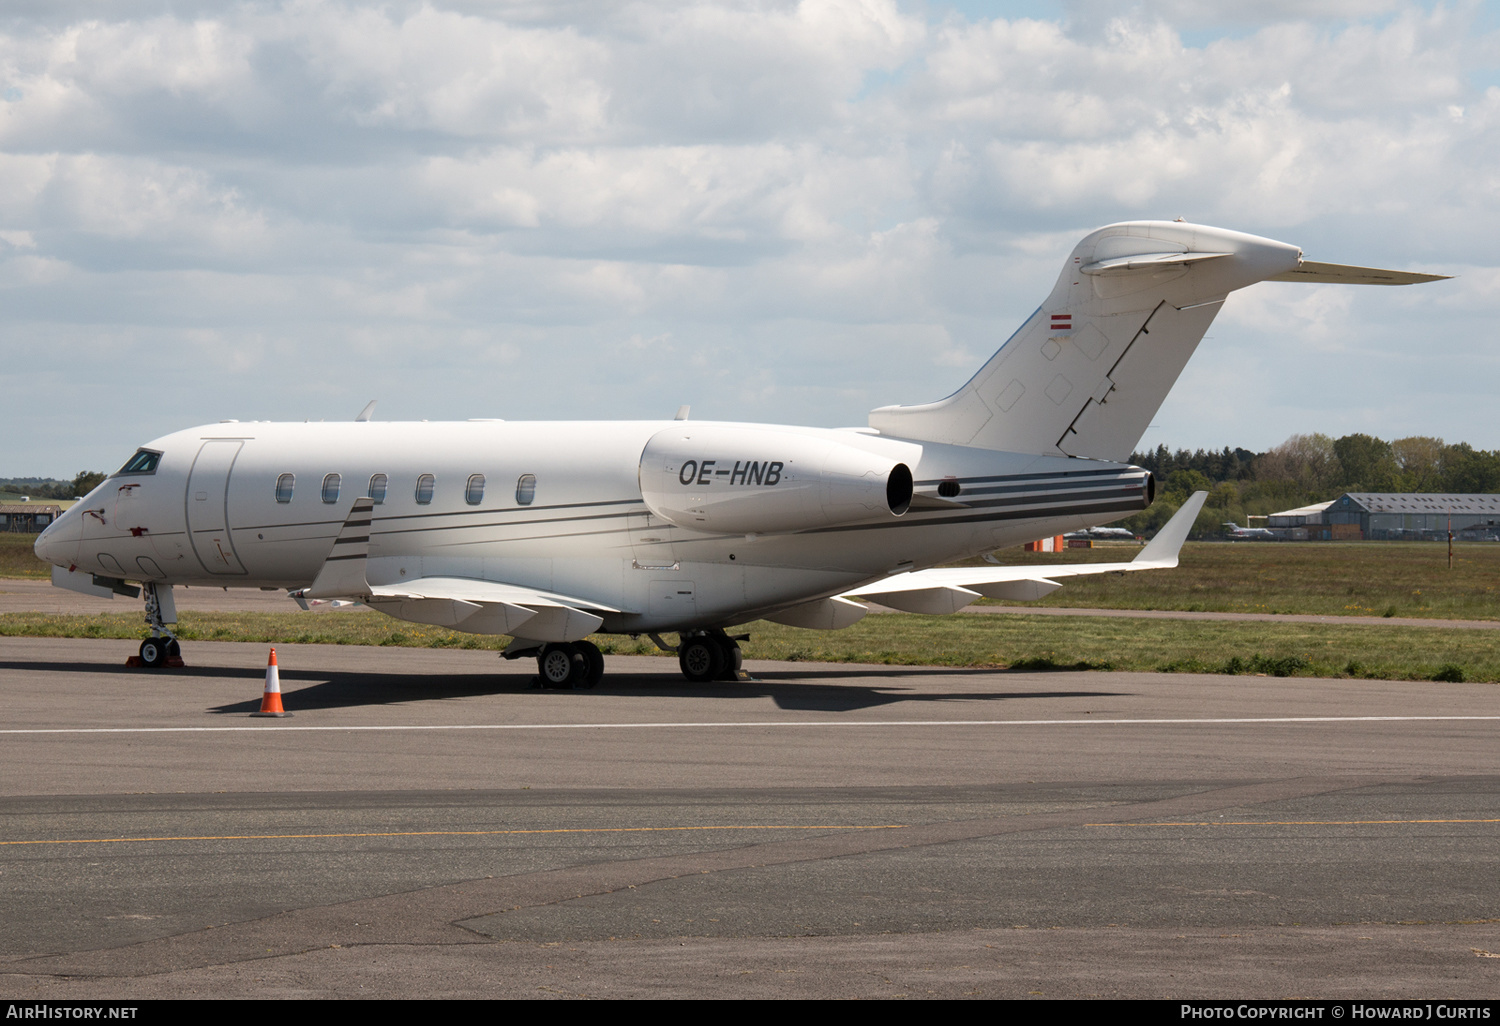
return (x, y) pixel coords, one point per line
(434, 915)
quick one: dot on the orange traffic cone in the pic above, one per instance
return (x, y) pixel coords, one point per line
(270, 702)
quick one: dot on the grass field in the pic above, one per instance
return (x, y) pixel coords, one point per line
(17, 559)
(1337, 579)
(1017, 641)
(1324, 578)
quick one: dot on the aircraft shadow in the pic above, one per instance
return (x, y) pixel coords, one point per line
(821, 689)
(334, 691)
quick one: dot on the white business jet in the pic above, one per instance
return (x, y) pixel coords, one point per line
(550, 532)
(1234, 532)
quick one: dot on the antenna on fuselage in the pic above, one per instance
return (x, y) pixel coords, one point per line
(682, 413)
(366, 413)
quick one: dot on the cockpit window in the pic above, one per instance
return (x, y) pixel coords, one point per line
(143, 462)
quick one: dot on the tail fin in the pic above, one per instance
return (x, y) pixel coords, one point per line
(1087, 372)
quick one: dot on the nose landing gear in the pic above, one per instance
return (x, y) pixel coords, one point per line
(161, 649)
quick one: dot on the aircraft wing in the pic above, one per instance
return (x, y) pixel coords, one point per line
(949, 589)
(489, 607)
(476, 606)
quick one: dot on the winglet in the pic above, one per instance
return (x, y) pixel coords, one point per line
(343, 572)
(1163, 549)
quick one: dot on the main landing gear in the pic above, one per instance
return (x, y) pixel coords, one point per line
(702, 655)
(710, 655)
(571, 664)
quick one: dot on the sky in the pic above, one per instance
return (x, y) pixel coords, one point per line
(769, 211)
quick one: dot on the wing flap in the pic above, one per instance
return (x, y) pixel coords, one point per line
(474, 590)
(934, 601)
(490, 607)
(829, 614)
(1028, 590)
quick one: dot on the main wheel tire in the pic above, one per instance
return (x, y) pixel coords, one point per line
(174, 650)
(593, 662)
(701, 658)
(734, 659)
(559, 666)
(153, 653)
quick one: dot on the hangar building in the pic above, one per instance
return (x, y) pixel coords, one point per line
(1415, 516)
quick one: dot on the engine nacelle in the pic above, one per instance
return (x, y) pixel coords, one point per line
(733, 480)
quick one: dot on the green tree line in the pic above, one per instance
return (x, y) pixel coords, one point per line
(51, 488)
(1303, 470)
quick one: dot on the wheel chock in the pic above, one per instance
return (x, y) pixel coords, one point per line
(174, 662)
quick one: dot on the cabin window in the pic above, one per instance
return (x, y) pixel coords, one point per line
(526, 489)
(284, 485)
(377, 488)
(143, 462)
(331, 488)
(425, 485)
(474, 493)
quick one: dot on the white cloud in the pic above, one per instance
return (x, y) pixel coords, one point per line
(771, 209)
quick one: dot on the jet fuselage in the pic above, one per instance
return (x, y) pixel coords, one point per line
(559, 507)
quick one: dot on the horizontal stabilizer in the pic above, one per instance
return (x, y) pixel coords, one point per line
(949, 589)
(1347, 274)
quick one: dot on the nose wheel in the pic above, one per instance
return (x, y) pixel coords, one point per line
(154, 653)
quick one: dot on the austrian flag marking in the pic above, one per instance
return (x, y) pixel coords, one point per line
(1062, 323)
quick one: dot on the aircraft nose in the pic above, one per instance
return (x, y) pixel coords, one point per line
(53, 544)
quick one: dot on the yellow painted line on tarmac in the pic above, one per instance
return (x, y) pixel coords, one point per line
(1300, 822)
(454, 833)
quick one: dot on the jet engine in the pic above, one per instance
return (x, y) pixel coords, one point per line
(733, 480)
